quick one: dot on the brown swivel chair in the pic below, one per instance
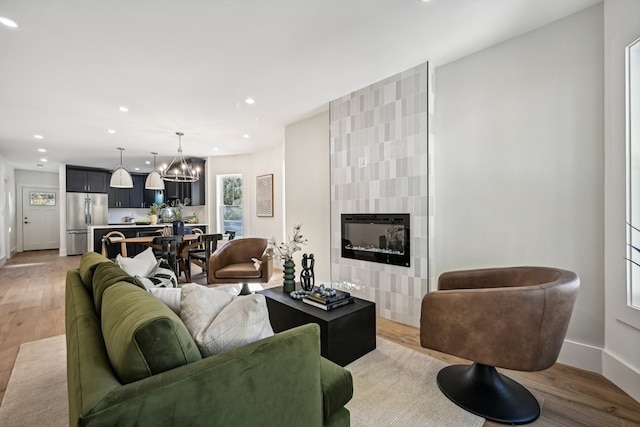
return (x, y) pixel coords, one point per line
(513, 318)
(231, 263)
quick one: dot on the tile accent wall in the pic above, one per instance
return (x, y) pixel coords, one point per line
(379, 164)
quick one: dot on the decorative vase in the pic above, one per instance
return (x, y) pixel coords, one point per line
(289, 276)
(153, 219)
(178, 228)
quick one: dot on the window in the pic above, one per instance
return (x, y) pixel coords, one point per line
(230, 203)
(633, 173)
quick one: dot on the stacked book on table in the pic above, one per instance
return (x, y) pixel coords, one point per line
(328, 303)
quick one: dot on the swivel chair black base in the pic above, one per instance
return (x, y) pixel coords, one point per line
(481, 390)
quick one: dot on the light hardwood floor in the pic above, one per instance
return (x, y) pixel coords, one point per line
(32, 307)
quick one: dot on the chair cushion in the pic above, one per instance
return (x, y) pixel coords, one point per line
(245, 269)
(142, 335)
(220, 322)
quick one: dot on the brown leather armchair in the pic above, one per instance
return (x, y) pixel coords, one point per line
(514, 318)
(231, 263)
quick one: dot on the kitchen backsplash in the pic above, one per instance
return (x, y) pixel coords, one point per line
(119, 215)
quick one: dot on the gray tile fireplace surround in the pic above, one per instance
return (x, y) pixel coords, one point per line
(379, 164)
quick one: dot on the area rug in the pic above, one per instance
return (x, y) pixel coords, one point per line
(36, 394)
(394, 386)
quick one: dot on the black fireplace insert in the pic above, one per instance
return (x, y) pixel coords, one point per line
(382, 238)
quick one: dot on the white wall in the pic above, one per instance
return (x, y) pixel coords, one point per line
(268, 161)
(8, 241)
(519, 162)
(307, 189)
(621, 358)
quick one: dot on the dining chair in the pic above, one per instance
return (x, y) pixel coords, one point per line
(231, 234)
(198, 253)
(108, 243)
(169, 249)
(156, 250)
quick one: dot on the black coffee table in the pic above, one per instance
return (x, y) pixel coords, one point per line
(346, 333)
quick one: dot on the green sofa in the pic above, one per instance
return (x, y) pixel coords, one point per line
(131, 362)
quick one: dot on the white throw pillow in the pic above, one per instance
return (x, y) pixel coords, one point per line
(220, 322)
(140, 265)
(169, 296)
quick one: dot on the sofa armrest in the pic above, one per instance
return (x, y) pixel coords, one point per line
(272, 382)
(337, 387)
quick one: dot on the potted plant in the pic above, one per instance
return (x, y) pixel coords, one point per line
(284, 255)
(153, 212)
(178, 221)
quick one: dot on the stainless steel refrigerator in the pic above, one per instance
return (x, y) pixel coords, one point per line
(83, 210)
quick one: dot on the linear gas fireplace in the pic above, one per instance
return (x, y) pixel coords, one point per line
(380, 238)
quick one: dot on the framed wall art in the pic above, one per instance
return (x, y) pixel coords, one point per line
(264, 195)
(42, 199)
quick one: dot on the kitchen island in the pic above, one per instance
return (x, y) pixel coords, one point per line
(129, 230)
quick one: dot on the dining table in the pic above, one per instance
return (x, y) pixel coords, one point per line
(175, 260)
(148, 240)
(179, 262)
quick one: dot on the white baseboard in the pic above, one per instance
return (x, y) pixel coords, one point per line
(628, 379)
(581, 356)
(597, 360)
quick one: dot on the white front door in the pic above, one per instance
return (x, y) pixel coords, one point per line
(40, 218)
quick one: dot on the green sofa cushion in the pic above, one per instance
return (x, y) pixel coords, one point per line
(142, 335)
(337, 387)
(107, 274)
(88, 264)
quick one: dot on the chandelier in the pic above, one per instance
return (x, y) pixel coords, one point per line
(179, 170)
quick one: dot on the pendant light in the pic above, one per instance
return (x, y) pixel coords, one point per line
(179, 170)
(121, 178)
(154, 180)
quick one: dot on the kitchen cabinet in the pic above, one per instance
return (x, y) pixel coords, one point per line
(118, 197)
(129, 197)
(87, 180)
(136, 194)
(137, 197)
(177, 190)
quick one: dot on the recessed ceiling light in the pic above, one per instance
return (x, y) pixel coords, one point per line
(8, 22)
(147, 162)
(123, 109)
(250, 101)
(245, 136)
(136, 169)
(38, 136)
(215, 148)
(43, 160)
(42, 150)
(40, 165)
(111, 131)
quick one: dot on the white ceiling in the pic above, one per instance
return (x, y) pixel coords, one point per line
(188, 65)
